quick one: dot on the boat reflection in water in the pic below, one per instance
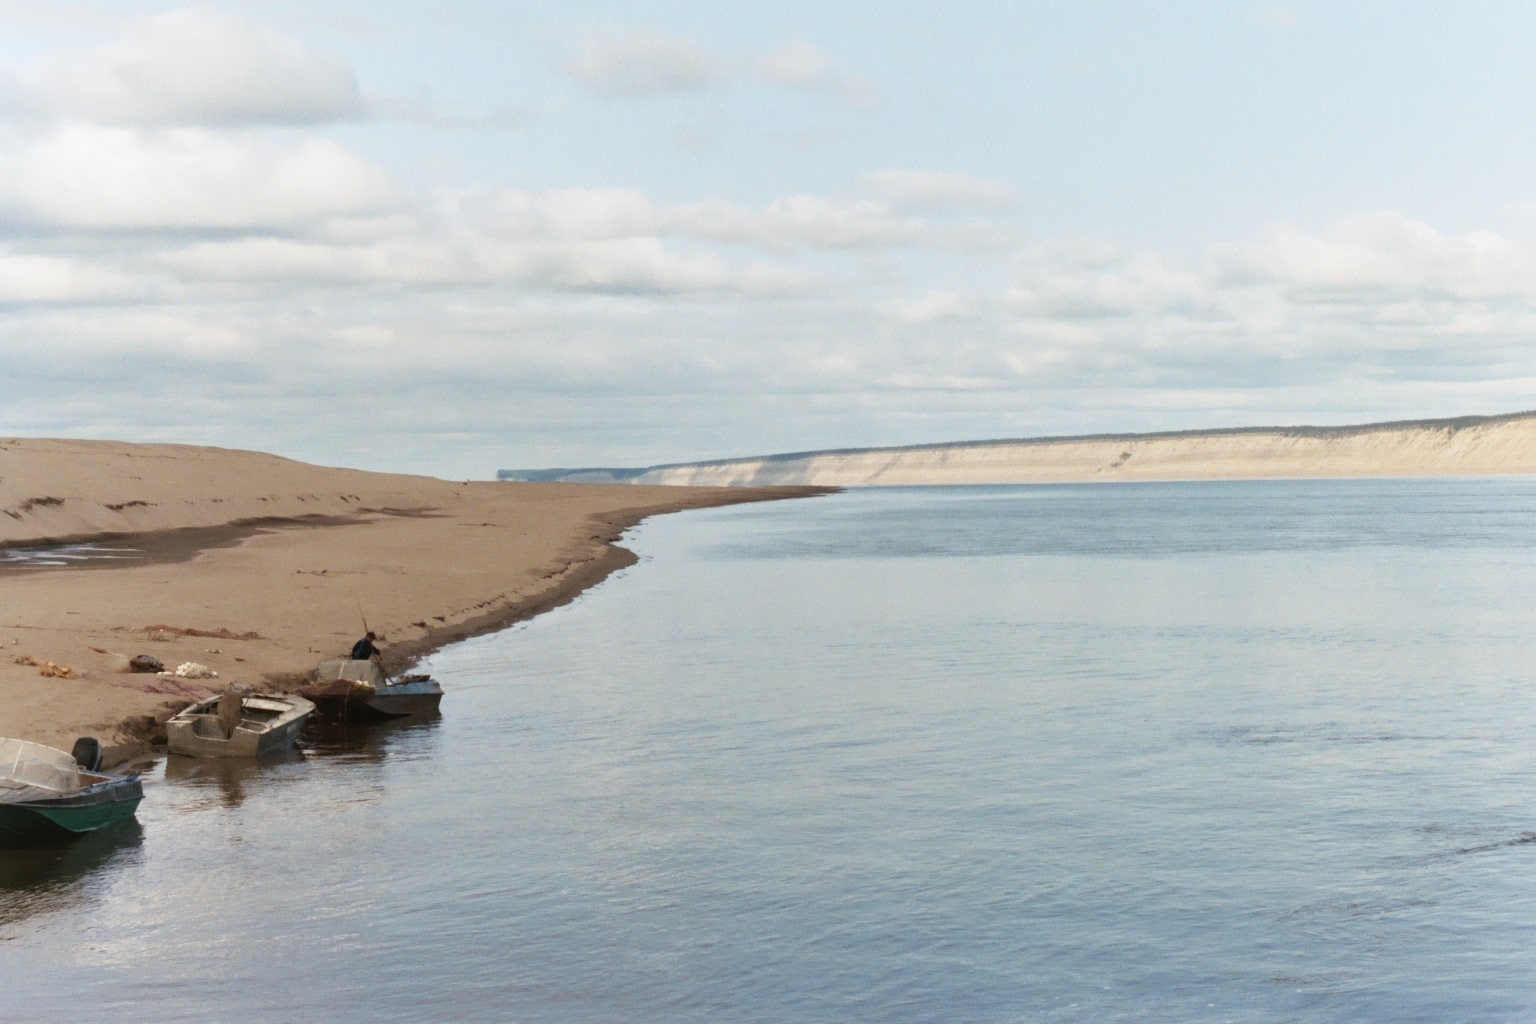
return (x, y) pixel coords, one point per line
(71, 877)
(363, 741)
(229, 776)
(43, 879)
(358, 743)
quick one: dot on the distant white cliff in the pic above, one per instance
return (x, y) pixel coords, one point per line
(1466, 445)
(1424, 447)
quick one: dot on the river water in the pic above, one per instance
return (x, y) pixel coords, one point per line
(1159, 752)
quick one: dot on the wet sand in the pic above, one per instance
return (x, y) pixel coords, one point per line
(260, 598)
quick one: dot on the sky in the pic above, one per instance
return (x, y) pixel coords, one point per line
(452, 237)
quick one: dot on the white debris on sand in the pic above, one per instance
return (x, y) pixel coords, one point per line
(192, 670)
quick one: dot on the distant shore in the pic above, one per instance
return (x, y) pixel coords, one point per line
(1463, 445)
(258, 567)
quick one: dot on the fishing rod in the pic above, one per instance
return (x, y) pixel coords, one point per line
(366, 632)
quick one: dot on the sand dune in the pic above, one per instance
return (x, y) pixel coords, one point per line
(279, 560)
(54, 489)
(1468, 445)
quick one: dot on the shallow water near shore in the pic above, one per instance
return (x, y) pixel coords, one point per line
(1259, 751)
(55, 556)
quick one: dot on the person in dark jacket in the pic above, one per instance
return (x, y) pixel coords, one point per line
(364, 649)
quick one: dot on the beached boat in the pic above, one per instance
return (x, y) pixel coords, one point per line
(346, 689)
(238, 724)
(47, 795)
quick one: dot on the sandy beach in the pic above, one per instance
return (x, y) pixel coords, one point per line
(258, 567)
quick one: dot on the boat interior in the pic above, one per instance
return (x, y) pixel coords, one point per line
(254, 711)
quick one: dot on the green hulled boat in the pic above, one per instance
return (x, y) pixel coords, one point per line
(47, 795)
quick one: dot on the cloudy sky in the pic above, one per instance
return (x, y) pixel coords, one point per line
(452, 237)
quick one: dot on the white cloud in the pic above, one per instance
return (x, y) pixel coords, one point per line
(1376, 296)
(644, 63)
(575, 213)
(1063, 285)
(783, 224)
(937, 305)
(189, 67)
(644, 266)
(286, 260)
(1374, 255)
(181, 179)
(801, 220)
(36, 280)
(600, 240)
(936, 190)
(799, 65)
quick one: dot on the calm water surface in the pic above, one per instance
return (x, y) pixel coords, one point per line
(1229, 752)
(59, 555)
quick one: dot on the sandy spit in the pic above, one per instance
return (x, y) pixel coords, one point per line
(258, 567)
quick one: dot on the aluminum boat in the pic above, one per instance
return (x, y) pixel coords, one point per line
(238, 724)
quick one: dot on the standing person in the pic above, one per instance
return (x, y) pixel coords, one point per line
(364, 649)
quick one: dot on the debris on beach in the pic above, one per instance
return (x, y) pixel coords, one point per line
(137, 663)
(213, 634)
(166, 684)
(47, 668)
(192, 670)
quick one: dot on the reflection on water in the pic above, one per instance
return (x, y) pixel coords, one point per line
(1220, 752)
(349, 744)
(54, 879)
(228, 775)
(65, 554)
(364, 740)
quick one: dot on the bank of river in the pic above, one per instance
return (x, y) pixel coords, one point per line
(1255, 751)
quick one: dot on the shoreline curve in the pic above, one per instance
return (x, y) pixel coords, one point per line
(259, 567)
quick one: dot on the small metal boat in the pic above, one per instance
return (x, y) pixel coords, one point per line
(346, 690)
(47, 795)
(238, 724)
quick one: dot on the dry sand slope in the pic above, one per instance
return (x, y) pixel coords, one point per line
(1480, 444)
(279, 561)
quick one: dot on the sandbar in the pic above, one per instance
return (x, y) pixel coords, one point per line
(258, 567)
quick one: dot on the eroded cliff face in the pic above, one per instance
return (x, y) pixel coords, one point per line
(1504, 444)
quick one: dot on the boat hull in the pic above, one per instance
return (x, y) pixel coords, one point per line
(344, 700)
(414, 698)
(194, 732)
(23, 823)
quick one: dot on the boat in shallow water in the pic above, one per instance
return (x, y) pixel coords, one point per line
(238, 724)
(346, 690)
(47, 795)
